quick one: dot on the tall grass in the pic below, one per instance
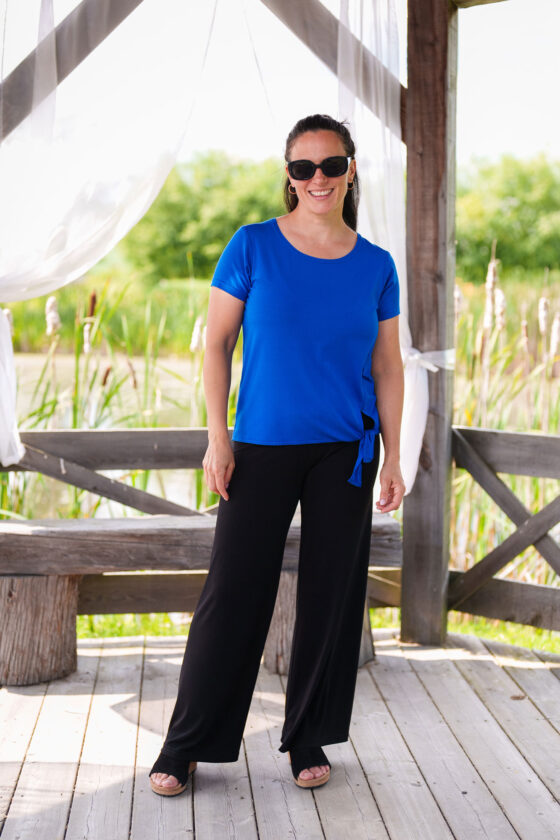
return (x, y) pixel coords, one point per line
(507, 377)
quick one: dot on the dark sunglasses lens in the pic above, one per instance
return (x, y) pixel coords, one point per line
(301, 170)
(335, 166)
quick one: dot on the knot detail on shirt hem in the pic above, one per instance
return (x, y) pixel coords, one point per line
(365, 456)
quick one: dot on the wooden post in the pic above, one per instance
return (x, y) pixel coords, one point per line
(430, 138)
(37, 628)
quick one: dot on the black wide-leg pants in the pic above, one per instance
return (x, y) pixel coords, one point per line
(231, 621)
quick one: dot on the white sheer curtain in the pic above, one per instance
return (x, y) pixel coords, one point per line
(368, 72)
(92, 155)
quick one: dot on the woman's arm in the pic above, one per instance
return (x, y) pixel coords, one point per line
(225, 315)
(388, 375)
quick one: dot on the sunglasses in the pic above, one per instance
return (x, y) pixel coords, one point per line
(332, 167)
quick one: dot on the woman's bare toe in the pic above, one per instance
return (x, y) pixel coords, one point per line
(164, 779)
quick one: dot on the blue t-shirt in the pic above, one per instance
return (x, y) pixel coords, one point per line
(309, 327)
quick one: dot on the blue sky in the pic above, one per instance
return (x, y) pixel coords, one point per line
(509, 64)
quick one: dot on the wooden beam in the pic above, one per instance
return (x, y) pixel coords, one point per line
(510, 600)
(122, 449)
(87, 546)
(75, 38)
(313, 24)
(467, 457)
(179, 592)
(527, 533)
(465, 4)
(432, 70)
(77, 476)
(517, 453)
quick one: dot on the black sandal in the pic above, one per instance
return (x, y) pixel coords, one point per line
(173, 767)
(302, 758)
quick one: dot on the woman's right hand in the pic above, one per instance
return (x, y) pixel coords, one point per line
(218, 465)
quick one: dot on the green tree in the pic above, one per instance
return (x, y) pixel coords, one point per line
(514, 201)
(197, 211)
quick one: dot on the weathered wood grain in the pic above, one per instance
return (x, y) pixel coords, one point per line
(75, 38)
(459, 790)
(76, 475)
(510, 600)
(152, 815)
(517, 453)
(123, 449)
(37, 628)
(468, 458)
(402, 795)
(523, 797)
(19, 710)
(430, 222)
(44, 791)
(159, 542)
(533, 735)
(317, 27)
(103, 791)
(525, 535)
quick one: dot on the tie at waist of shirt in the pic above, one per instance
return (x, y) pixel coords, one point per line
(365, 456)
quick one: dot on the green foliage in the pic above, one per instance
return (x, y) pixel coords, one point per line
(198, 210)
(514, 201)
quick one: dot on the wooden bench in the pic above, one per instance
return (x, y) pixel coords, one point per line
(52, 570)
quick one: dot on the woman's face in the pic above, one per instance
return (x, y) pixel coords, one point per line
(321, 195)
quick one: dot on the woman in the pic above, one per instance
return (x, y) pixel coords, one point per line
(322, 378)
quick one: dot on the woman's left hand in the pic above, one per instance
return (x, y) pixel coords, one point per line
(392, 487)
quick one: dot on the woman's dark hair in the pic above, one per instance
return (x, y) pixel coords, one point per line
(322, 122)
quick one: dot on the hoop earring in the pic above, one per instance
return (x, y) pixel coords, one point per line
(291, 189)
(350, 185)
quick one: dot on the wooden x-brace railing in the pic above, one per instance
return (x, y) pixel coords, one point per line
(532, 529)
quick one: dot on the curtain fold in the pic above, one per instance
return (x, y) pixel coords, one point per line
(86, 163)
(369, 98)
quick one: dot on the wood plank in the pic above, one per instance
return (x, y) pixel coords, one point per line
(530, 731)
(430, 222)
(281, 809)
(524, 799)
(517, 453)
(524, 536)
(405, 802)
(127, 592)
(44, 790)
(158, 542)
(155, 816)
(531, 674)
(317, 28)
(92, 546)
(103, 793)
(123, 449)
(19, 710)
(346, 806)
(76, 475)
(467, 457)
(142, 593)
(461, 794)
(74, 39)
(510, 600)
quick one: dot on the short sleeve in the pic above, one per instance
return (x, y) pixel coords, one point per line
(388, 305)
(233, 271)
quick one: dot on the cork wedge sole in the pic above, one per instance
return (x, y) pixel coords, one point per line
(165, 790)
(305, 758)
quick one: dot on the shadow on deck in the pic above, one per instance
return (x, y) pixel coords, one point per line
(455, 742)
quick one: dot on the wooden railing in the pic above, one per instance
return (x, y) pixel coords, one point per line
(171, 543)
(484, 453)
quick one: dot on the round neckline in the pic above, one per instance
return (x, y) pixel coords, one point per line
(310, 256)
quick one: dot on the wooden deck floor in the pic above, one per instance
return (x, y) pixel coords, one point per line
(454, 742)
